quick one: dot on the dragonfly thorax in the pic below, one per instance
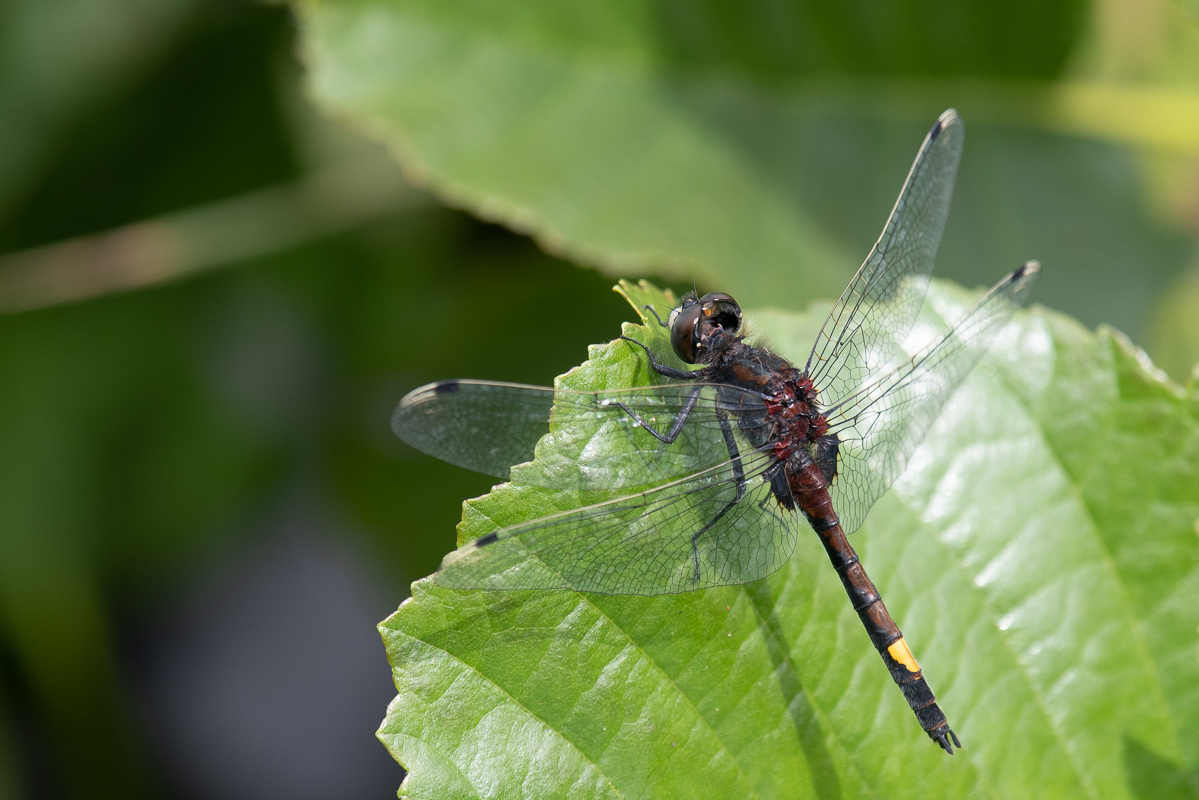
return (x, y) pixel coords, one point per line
(791, 404)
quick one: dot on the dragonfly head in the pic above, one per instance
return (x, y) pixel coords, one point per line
(699, 326)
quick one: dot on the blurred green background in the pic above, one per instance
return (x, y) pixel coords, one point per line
(212, 297)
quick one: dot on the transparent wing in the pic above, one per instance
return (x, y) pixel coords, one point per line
(721, 526)
(877, 309)
(482, 426)
(599, 438)
(880, 426)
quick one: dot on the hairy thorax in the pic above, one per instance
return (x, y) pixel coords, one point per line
(796, 430)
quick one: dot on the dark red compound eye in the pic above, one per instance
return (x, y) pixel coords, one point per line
(683, 331)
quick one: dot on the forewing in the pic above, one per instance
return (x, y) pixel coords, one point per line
(598, 442)
(880, 425)
(482, 426)
(642, 543)
(863, 332)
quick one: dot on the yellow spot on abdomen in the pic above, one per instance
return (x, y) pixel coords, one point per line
(900, 652)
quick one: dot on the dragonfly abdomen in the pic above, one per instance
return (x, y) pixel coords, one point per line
(810, 490)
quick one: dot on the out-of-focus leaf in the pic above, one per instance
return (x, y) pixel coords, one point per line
(1175, 334)
(717, 145)
(1154, 43)
(1153, 48)
(58, 58)
(8, 767)
(1039, 553)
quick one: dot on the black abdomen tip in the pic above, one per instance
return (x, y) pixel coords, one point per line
(946, 738)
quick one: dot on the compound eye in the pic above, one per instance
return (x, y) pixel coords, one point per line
(682, 331)
(688, 301)
(722, 310)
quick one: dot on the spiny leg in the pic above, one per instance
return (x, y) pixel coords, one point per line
(662, 369)
(654, 311)
(730, 442)
(679, 421)
(738, 474)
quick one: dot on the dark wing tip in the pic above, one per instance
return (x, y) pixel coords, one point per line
(1022, 281)
(423, 394)
(419, 396)
(948, 117)
(1028, 268)
(411, 403)
(490, 538)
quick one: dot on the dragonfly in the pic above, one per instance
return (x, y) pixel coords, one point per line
(706, 477)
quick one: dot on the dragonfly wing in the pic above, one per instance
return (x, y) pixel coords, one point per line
(863, 332)
(602, 440)
(721, 526)
(880, 425)
(599, 439)
(482, 426)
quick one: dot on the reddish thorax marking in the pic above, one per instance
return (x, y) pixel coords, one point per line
(791, 401)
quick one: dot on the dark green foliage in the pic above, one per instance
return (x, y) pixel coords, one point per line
(755, 148)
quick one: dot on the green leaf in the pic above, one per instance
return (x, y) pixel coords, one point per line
(1040, 554)
(711, 141)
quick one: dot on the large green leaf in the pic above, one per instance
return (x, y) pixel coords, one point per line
(1039, 553)
(709, 140)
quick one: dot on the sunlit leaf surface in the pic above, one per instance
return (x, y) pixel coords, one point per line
(1040, 554)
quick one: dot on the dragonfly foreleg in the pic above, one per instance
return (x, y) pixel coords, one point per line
(679, 421)
(738, 475)
(662, 369)
(654, 311)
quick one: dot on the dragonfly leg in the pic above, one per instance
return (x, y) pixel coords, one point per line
(738, 474)
(653, 311)
(662, 369)
(679, 421)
